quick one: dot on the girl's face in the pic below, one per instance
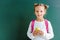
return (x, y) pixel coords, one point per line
(40, 11)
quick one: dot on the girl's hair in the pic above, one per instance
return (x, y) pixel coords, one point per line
(45, 6)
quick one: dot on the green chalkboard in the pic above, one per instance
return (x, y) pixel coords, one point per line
(15, 16)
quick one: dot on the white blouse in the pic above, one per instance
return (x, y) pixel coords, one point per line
(42, 26)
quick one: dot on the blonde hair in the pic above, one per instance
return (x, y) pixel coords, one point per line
(45, 6)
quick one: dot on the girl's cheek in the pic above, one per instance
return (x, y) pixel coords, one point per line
(35, 13)
(43, 12)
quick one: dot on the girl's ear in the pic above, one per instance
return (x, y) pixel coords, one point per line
(45, 12)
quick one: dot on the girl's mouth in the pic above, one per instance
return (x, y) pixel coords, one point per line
(40, 15)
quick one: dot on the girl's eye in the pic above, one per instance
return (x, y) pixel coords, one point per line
(37, 11)
(41, 11)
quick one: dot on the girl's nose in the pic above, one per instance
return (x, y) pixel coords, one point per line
(40, 11)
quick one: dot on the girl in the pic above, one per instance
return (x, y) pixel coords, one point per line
(40, 29)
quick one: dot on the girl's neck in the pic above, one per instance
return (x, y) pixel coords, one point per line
(40, 19)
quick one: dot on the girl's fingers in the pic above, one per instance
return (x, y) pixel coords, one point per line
(41, 33)
(35, 33)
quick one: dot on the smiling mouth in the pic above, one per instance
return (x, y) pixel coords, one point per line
(40, 15)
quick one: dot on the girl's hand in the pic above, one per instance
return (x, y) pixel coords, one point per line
(41, 33)
(35, 33)
(38, 32)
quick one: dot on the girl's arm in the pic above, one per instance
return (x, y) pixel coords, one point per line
(49, 35)
(29, 34)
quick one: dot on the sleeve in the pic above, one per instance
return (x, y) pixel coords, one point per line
(50, 33)
(29, 34)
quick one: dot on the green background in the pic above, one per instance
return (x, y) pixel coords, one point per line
(15, 16)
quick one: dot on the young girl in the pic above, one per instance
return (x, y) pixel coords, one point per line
(42, 28)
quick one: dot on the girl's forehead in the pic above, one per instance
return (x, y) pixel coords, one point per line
(39, 7)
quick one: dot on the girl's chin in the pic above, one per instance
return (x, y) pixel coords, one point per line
(39, 16)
